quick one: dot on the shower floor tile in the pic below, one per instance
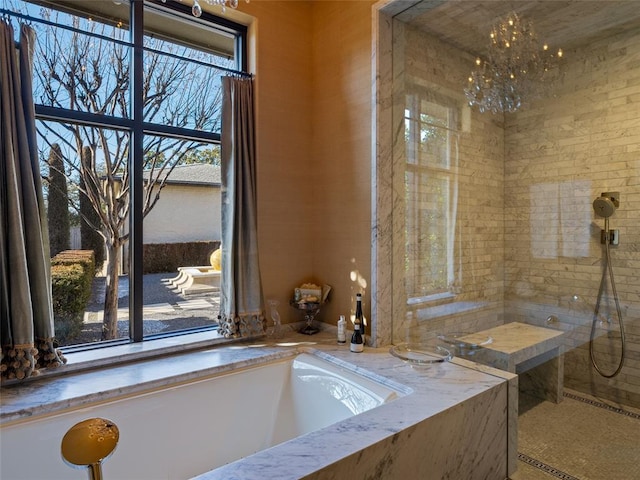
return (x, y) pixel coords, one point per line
(580, 438)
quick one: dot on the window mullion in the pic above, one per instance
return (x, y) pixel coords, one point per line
(136, 166)
(180, 132)
(57, 114)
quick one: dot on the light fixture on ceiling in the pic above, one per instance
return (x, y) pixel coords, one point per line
(196, 9)
(515, 67)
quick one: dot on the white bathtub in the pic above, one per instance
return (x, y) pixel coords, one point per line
(184, 430)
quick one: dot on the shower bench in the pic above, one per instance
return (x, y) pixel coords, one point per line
(536, 354)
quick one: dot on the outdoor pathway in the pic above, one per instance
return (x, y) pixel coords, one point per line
(159, 299)
(211, 303)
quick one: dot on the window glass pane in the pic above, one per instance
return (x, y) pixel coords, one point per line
(427, 210)
(82, 69)
(182, 230)
(181, 93)
(431, 145)
(87, 193)
(434, 114)
(200, 40)
(433, 148)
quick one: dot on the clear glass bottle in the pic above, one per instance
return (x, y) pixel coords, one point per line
(342, 325)
(276, 330)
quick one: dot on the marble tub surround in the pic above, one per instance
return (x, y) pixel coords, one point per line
(456, 443)
(453, 409)
(55, 393)
(460, 410)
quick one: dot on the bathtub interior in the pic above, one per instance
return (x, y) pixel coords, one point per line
(318, 397)
(188, 429)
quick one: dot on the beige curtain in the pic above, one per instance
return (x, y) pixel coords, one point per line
(25, 271)
(241, 304)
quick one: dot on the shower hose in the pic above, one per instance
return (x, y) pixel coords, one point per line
(608, 268)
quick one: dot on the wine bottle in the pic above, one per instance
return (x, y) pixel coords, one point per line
(357, 343)
(359, 316)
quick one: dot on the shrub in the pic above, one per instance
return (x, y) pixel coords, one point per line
(167, 257)
(72, 273)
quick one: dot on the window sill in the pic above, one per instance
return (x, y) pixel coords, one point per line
(79, 361)
(426, 299)
(440, 305)
(433, 312)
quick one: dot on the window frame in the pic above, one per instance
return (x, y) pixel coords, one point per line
(443, 170)
(138, 129)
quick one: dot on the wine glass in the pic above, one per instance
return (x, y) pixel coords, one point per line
(276, 331)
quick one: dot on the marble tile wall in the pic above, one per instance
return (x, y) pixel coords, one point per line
(428, 65)
(528, 232)
(561, 153)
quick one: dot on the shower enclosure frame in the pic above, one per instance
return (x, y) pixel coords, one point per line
(386, 300)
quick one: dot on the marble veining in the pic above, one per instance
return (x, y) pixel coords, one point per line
(461, 392)
(536, 353)
(514, 343)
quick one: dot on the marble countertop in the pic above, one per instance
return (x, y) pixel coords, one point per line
(428, 391)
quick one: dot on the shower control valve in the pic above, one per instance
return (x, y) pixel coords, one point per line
(613, 236)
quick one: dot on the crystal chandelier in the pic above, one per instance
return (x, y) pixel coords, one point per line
(515, 67)
(196, 10)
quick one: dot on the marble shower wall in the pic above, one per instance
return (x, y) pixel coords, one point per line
(424, 64)
(561, 154)
(529, 239)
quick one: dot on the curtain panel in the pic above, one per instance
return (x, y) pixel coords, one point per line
(241, 299)
(26, 312)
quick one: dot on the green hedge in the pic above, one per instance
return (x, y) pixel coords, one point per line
(72, 273)
(167, 257)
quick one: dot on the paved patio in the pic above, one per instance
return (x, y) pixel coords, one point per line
(165, 309)
(158, 298)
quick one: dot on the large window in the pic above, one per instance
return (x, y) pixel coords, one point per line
(128, 107)
(431, 141)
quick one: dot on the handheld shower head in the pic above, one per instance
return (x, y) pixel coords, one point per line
(606, 204)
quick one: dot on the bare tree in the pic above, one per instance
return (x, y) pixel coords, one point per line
(91, 74)
(90, 237)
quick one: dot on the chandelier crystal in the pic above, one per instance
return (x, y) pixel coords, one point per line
(515, 67)
(196, 9)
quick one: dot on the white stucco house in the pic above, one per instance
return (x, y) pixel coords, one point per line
(189, 208)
